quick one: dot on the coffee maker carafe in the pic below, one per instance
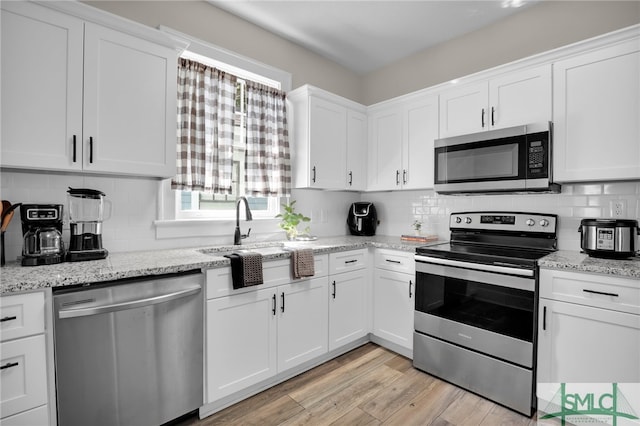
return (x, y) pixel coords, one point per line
(86, 209)
(42, 234)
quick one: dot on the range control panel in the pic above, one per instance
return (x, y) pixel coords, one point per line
(507, 221)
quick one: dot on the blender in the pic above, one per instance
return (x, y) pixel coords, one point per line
(86, 209)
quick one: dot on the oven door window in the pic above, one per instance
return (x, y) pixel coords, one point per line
(502, 310)
(500, 159)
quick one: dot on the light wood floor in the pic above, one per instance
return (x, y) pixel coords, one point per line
(367, 386)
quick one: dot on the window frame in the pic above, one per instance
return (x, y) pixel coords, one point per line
(244, 68)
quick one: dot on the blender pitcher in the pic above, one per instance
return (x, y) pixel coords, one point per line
(86, 213)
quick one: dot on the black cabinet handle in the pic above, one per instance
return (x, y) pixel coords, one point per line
(410, 285)
(74, 149)
(313, 179)
(493, 121)
(282, 307)
(600, 292)
(274, 304)
(404, 176)
(544, 318)
(334, 290)
(393, 261)
(4, 319)
(350, 178)
(397, 177)
(482, 118)
(350, 261)
(8, 365)
(91, 149)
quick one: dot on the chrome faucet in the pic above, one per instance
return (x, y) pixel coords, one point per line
(238, 236)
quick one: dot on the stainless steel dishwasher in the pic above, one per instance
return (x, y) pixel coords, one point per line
(129, 352)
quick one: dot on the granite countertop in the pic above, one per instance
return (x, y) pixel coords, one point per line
(576, 261)
(16, 278)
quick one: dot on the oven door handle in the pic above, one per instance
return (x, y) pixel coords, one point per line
(476, 266)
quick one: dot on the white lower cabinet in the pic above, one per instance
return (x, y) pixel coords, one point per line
(393, 298)
(589, 328)
(24, 385)
(255, 335)
(347, 298)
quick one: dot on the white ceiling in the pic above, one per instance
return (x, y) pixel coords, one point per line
(364, 35)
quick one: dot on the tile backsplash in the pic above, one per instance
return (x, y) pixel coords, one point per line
(397, 210)
(133, 205)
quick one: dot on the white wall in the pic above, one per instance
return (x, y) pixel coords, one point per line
(134, 205)
(397, 210)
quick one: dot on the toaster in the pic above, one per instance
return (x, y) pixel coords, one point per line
(362, 219)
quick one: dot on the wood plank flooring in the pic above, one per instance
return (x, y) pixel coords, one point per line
(367, 386)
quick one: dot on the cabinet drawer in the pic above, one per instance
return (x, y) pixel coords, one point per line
(36, 417)
(394, 260)
(347, 261)
(21, 315)
(607, 292)
(276, 272)
(23, 383)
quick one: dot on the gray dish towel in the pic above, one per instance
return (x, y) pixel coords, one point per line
(302, 263)
(246, 269)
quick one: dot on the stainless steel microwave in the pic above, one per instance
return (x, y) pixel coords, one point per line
(514, 159)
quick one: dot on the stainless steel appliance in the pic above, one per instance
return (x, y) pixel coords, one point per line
(362, 219)
(86, 213)
(611, 238)
(42, 234)
(476, 303)
(129, 353)
(515, 159)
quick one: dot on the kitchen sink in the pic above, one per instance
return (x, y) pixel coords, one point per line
(263, 249)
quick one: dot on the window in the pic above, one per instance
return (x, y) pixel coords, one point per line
(202, 205)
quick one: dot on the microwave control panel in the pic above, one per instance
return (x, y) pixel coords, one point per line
(537, 155)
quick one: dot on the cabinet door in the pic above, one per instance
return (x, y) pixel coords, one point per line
(41, 88)
(596, 111)
(519, 98)
(356, 177)
(302, 322)
(385, 149)
(328, 144)
(240, 341)
(347, 308)
(582, 344)
(393, 306)
(421, 124)
(464, 109)
(129, 104)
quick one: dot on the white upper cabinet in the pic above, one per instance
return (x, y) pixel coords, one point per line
(41, 88)
(328, 135)
(401, 136)
(516, 98)
(77, 96)
(597, 114)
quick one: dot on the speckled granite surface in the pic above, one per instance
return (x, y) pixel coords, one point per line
(15, 278)
(580, 262)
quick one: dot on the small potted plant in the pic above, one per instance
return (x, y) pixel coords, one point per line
(417, 227)
(291, 220)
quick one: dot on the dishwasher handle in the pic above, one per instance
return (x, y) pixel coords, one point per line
(129, 304)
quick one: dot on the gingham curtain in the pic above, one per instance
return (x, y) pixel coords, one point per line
(206, 102)
(268, 163)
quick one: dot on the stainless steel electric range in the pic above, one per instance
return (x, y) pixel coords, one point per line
(476, 302)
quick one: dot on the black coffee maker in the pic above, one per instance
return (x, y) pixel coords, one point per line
(42, 234)
(362, 219)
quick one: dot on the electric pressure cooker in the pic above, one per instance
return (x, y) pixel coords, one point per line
(611, 238)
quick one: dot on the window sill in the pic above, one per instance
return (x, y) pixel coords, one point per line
(186, 228)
